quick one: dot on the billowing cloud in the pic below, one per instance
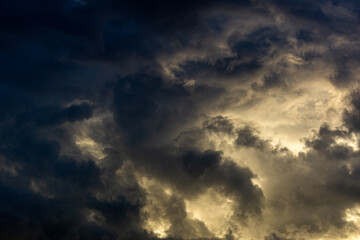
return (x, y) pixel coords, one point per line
(145, 120)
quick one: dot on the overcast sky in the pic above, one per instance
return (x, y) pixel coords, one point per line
(179, 120)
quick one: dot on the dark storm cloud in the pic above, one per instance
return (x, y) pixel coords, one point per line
(138, 111)
(219, 124)
(273, 236)
(49, 58)
(247, 137)
(195, 163)
(257, 44)
(176, 212)
(321, 23)
(272, 80)
(50, 195)
(192, 172)
(351, 116)
(251, 51)
(325, 143)
(48, 116)
(66, 63)
(248, 53)
(144, 105)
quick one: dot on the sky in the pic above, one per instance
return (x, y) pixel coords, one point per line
(179, 120)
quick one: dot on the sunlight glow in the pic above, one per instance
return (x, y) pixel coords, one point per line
(212, 209)
(89, 146)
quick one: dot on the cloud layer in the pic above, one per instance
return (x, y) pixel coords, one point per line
(219, 120)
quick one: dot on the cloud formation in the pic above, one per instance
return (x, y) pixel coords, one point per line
(178, 120)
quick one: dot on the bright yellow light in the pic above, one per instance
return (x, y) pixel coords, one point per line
(349, 142)
(202, 208)
(158, 228)
(157, 194)
(352, 216)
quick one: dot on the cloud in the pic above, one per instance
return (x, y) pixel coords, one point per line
(218, 124)
(247, 138)
(273, 236)
(130, 120)
(351, 116)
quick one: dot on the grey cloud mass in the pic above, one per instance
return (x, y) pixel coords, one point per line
(179, 120)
